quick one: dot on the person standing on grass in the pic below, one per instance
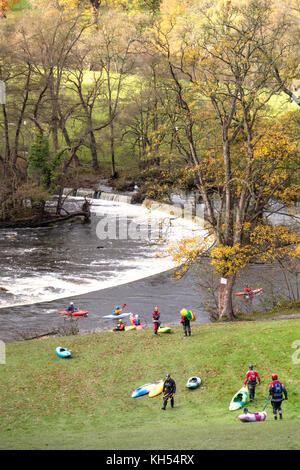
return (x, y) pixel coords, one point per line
(156, 319)
(186, 325)
(276, 390)
(169, 391)
(251, 380)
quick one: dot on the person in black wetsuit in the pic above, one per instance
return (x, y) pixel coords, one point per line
(276, 390)
(186, 325)
(169, 391)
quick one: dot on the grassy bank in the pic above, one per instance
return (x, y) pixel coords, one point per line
(85, 402)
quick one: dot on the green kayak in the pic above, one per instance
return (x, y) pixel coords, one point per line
(240, 399)
(164, 329)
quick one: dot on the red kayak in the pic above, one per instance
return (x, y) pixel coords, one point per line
(76, 313)
(253, 292)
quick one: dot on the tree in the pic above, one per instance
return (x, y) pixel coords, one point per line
(5, 5)
(216, 56)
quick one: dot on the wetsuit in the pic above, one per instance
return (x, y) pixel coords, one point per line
(251, 380)
(186, 325)
(276, 390)
(155, 318)
(169, 391)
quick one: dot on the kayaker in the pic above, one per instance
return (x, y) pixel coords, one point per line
(276, 390)
(156, 319)
(117, 310)
(247, 289)
(186, 325)
(169, 391)
(71, 308)
(251, 380)
(120, 326)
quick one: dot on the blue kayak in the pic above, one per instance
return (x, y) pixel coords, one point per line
(63, 352)
(143, 390)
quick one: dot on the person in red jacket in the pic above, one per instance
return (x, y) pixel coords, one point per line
(276, 390)
(155, 319)
(251, 380)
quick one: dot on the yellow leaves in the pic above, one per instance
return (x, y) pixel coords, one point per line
(266, 243)
(229, 260)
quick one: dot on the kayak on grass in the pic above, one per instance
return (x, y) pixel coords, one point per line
(164, 329)
(144, 389)
(157, 389)
(193, 382)
(240, 399)
(248, 417)
(63, 352)
(130, 328)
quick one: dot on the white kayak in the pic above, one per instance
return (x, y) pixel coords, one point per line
(116, 317)
(247, 417)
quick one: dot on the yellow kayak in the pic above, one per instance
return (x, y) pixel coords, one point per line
(157, 390)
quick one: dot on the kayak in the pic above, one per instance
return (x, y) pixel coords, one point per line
(157, 389)
(116, 317)
(252, 417)
(76, 313)
(143, 390)
(129, 328)
(164, 329)
(253, 292)
(63, 352)
(193, 382)
(240, 399)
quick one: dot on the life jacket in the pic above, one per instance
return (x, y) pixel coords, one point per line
(156, 316)
(251, 377)
(276, 389)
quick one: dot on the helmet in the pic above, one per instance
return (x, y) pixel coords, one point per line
(274, 376)
(71, 303)
(136, 316)
(168, 376)
(251, 366)
(120, 320)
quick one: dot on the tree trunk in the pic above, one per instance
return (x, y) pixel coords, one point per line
(93, 148)
(225, 297)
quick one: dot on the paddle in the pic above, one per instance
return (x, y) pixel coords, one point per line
(266, 403)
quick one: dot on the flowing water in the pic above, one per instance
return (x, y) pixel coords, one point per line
(119, 257)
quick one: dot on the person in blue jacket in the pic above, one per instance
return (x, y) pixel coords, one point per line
(71, 308)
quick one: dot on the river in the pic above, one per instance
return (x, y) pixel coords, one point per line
(119, 257)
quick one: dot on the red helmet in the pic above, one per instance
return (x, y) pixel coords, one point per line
(274, 376)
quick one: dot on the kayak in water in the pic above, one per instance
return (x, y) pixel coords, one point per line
(252, 292)
(76, 313)
(116, 317)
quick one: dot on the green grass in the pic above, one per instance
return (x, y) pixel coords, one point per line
(85, 402)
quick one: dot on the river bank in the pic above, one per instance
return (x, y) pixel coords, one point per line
(87, 398)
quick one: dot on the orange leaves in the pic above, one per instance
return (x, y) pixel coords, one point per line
(5, 5)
